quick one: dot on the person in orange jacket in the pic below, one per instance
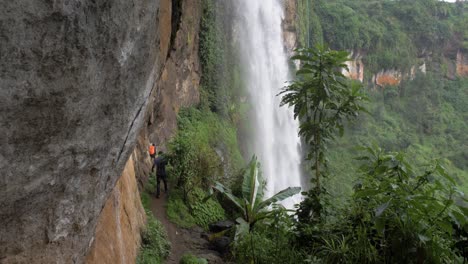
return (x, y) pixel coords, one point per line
(152, 150)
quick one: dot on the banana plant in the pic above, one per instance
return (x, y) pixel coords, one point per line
(251, 204)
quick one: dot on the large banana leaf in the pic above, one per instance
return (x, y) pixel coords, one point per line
(238, 202)
(288, 192)
(251, 184)
(242, 228)
(261, 186)
(251, 204)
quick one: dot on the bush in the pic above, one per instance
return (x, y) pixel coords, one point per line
(427, 122)
(178, 212)
(150, 186)
(145, 200)
(270, 246)
(205, 149)
(397, 215)
(191, 259)
(155, 246)
(206, 212)
(196, 212)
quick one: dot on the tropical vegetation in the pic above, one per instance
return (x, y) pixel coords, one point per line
(391, 34)
(388, 166)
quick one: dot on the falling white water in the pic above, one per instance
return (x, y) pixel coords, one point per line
(266, 68)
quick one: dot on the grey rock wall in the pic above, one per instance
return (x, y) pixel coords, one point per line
(177, 86)
(75, 76)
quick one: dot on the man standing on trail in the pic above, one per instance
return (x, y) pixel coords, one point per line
(160, 163)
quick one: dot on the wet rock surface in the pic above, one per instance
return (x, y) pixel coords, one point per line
(220, 226)
(75, 78)
(221, 244)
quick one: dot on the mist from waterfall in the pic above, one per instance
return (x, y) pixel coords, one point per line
(265, 64)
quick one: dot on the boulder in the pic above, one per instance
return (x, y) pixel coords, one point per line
(220, 226)
(221, 244)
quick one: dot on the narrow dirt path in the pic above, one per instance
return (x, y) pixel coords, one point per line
(158, 207)
(182, 240)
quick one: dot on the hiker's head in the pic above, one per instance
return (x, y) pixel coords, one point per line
(152, 144)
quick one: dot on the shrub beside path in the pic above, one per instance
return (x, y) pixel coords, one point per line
(183, 241)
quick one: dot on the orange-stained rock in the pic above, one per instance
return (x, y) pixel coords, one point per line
(117, 236)
(462, 64)
(387, 78)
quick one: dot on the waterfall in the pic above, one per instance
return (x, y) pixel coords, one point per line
(266, 68)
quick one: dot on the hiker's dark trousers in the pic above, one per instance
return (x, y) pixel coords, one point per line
(158, 185)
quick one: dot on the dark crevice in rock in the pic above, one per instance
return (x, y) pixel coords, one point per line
(175, 21)
(128, 218)
(129, 130)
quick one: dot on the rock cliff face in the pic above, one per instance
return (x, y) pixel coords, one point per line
(462, 64)
(387, 77)
(289, 25)
(355, 68)
(79, 80)
(117, 236)
(177, 87)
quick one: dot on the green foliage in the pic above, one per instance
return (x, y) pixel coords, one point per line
(254, 209)
(221, 83)
(205, 149)
(155, 246)
(198, 212)
(269, 244)
(413, 214)
(191, 259)
(150, 186)
(252, 205)
(396, 215)
(302, 23)
(178, 212)
(211, 56)
(322, 101)
(195, 164)
(391, 33)
(426, 119)
(145, 200)
(206, 212)
(309, 25)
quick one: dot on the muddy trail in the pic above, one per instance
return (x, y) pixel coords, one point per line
(183, 241)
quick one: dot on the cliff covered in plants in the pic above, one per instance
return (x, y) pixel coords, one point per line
(412, 57)
(391, 40)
